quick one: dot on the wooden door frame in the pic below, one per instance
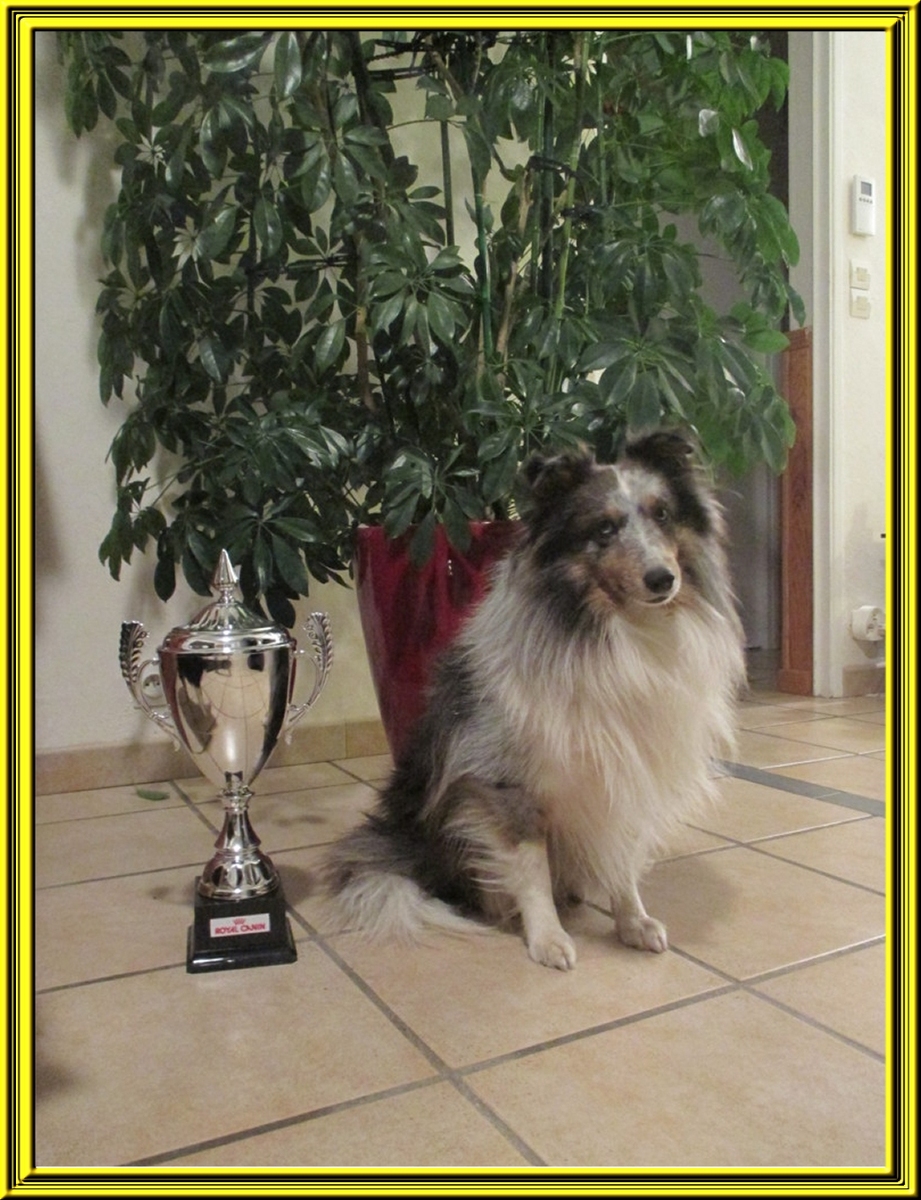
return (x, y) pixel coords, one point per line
(795, 671)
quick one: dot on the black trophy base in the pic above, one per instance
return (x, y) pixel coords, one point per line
(227, 935)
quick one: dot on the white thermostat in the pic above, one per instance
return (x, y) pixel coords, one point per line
(863, 206)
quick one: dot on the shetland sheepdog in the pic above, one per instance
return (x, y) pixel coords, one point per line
(575, 720)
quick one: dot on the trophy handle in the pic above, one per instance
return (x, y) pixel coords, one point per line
(320, 638)
(143, 678)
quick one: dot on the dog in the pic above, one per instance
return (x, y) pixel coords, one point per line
(574, 721)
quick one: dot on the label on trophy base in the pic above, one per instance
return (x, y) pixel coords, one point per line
(227, 934)
(240, 926)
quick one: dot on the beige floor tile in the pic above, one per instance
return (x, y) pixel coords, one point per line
(300, 875)
(373, 768)
(847, 706)
(94, 930)
(99, 847)
(431, 1126)
(689, 840)
(758, 716)
(477, 997)
(143, 1065)
(104, 802)
(855, 851)
(298, 777)
(861, 774)
(837, 733)
(285, 819)
(876, 718)
(765, 750)
(112, 927)
(726, 1082)
(766, 695)
(744, 912)
(748, 811)
(847, 993)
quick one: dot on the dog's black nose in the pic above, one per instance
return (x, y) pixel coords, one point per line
(659, 581)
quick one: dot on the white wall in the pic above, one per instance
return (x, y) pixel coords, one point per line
(80, 698)
(838, 129)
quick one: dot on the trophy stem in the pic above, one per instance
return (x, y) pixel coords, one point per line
(239, 870)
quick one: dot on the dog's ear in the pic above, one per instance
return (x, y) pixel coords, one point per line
(677, 458)
(671, 453)
(549, 478)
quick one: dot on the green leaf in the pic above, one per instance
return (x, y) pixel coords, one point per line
(269, 229)
(165, 577)
(423, 541)
(365, 135)
(238, 53)
(288, 68)
(399, 517)
(329, 346)
(441, 320)
(644, 405)
(211, 143)
(767, 341)
(215, 359)
(456, 524)
(216, 234)
(601, 355)
(151, 794)
(290, 565)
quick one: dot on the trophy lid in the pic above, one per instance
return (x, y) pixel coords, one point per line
(226, 624)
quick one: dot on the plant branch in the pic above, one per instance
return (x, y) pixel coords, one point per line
(578, 66)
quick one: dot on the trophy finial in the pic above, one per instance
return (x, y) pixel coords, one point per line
(225, 577)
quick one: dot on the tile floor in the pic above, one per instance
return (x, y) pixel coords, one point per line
(758, 1041)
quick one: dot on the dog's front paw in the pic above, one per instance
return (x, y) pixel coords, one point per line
(553, 949)
(644, 933)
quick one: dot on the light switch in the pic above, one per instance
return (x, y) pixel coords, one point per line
(860, 274)
(860, 303)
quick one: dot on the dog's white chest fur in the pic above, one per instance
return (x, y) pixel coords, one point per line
(617, 739)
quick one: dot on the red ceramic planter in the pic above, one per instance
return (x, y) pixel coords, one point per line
(409, 614)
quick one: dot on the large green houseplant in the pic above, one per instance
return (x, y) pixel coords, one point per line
(358, 277)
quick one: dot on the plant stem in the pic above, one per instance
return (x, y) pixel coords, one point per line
(578, 66)
(448, 186)
(479, 208)
(483, 266)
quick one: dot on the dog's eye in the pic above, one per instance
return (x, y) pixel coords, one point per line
(607, 529)
(661, 515)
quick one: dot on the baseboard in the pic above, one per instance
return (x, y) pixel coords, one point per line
(84, 767)
(861, 680)
(794, 682)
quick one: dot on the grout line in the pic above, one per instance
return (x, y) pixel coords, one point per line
(446, 1072)
(824, 956)
(314, 1114)
(816, 1024)
(187, 866)
(579, 1035)
(79, 983)
(864, 887)
(489, 1114)
(752, 983)
(800, 787)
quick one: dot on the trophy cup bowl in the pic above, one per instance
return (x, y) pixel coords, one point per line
(222, 688)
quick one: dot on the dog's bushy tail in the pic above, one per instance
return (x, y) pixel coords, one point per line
(369, 877)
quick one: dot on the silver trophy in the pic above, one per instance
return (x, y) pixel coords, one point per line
(222, 687)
